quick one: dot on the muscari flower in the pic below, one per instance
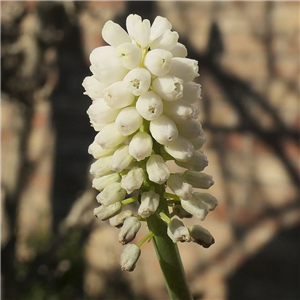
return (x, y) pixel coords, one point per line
(144, 111)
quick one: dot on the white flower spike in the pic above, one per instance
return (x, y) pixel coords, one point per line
(144, 111)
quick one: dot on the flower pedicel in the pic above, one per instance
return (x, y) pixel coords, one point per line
(144, 110)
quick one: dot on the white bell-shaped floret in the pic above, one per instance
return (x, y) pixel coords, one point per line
(157, 169)
(133, 180)
(166, 41)
(129, 230)
(140, 146)
(190, 129)
(178, 232)
(101, 166)
(181, 148)
(129, 257)
(105, 212)
(169, 88)
(128, 121)
(197, 162)
(196, 207)
(117, 95)
(158, 61)
(129, 54)
(180, 187)
(101, 182)
(137, 81)
(118, 220)
(180, 111)
(210, 200)
(114, 34)
(109, 137)
(93, 88)
(198, 180)
(111, 194)
(191, 92)
(184, 68)
(149, 105)
(97, 151)
(159, 26)
(179, 50)
(106, 66)
(149, 204)
(138, 29)
(99, 112)
(163, 129)
(121, 159)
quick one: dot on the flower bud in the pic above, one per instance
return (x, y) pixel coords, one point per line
(159, 26)
(166, 41)
(105, 65)
(96, 151)
(128, 121)
(201, 236)
(109, 137)
(121, 159)
(179, 50)
(168, 88)
(197, 162)
(157, 169)
(208, 199)
(133, 180)
(178, 232)
(150, 106)
(196, 207)
(198, 142)
(118, 220)
(198, 180)
(149, 204)
(191, 92)
(180, 187)
(100, 183)
(163, 129)
(191, 129)
(129, 54)
(100, 112)
(129, 257)
(129, 230)
(184, 68)
(137, 81)
(114, 35)
(105, 212)
(140, 146)
(138, 29)
(158, 62)
(181, 149)
(117, 96)
(111, 194)
(180, 111)
(101, 166)
(93, 88)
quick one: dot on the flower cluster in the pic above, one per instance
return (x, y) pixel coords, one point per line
(145, 112)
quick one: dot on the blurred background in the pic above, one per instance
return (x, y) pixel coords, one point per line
(53, 247)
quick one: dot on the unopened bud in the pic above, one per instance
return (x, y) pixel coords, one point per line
(168, 88)
(198, 180)
(129, 54)
(133, 180)
(201, 236)
(140, 146)
(196, 207)
(129, 257)
(208, 199)
(118, 220)
(111, 194)
(128, 121)
(121, 159)
(158, 61)
(180, 148)
(149, 204)
(197, 162)
(129, 230)
(180, 187)
(150, 106)
(178, 232)
(105, 212)
(157, 169)
(101, 182)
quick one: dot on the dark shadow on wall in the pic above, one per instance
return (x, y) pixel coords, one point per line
(272, 274)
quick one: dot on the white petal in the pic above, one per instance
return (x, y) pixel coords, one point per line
(180, 111)
(191, 129)
(163, 129)
(128, 121)
(138, 30)
(149, 204)
(150, 106)
(96, 151)
(137, 81)
(195, 207)
(101, 182)
(179, 50)
(101, 166)
(159, 26)
(140, 146)
(198, 180)
(157, 169)
(105, 65)
(114, 34)
(93, 88)
(184, 68)
(168, 88)
(166, 41)
(133, 180)
(158, 61)
(111, 194)
(121, 159)
(130, 55)
(181, 149)
(180, 187)
(191, 92)
(197, 162)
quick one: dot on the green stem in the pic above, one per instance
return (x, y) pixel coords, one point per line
(167, 253)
